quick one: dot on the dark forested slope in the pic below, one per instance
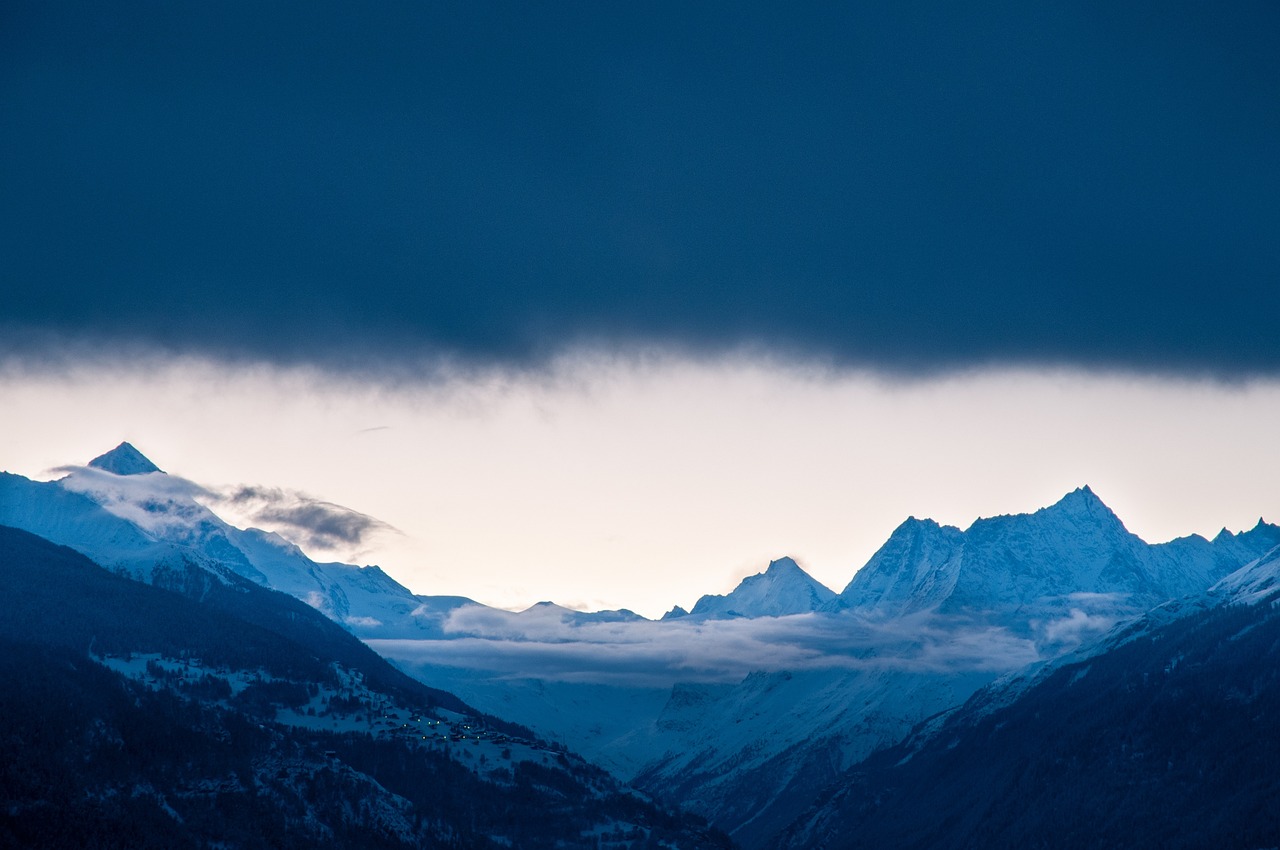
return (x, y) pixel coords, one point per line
(1169, 740)
(222, 714)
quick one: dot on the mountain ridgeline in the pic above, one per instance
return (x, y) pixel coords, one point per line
(1162, 736)
(780, 590)
(994, 686)
(201, 709)
(1076, 546)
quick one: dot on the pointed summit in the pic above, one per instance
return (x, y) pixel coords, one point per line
(1083, 504)
(783, 566)
(124, 459)
(784, 588)
(915, 568)
(1080, 497)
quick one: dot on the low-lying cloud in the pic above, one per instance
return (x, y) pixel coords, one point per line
(156, 502)
(1080, 618)
(549, 643)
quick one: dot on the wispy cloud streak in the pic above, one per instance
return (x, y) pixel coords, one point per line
(168, 504)
(312, 523)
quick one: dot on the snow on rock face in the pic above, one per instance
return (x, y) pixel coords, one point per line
(124, 459)
(1254, 583)
(1061, 577)
(124, 513)
(780, 590)
(69, 518)
(751, 754)
(1026, 561)
(916, 568)
(1074, 546)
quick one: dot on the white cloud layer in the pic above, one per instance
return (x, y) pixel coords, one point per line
(544, 643)
(158, 503)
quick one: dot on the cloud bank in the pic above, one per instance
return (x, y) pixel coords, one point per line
(857, 184)
(545, 643)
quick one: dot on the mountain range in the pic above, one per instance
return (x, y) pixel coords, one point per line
(198, 708)
(1160, 735)
(784, 713)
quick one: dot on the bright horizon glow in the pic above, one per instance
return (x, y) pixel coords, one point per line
(646, 482)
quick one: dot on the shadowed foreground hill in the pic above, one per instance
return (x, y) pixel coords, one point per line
(1168, 740)
(138, 717)
(55, 595)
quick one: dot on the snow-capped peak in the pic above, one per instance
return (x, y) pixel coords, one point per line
(783, 567)
(1083, 505)
(124, 459)
(1016, 562)
(784, 588)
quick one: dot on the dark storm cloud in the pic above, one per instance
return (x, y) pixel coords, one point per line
(314, 523)
(873, 184)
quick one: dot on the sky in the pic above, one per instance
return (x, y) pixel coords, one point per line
(612, 304)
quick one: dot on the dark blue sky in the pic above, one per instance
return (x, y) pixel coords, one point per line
(893, 185)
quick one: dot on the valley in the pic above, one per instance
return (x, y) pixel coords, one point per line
(760, 711)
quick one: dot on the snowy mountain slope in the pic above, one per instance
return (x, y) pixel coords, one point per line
(1256, 583)
(1253, 584)
(782, 589)
(124, 459)
(122, 511)
(365, 599)
(719, 744)
(1039, 564)
(751, 757)
(571, 617)
(1163, 736)
(126, 514)
(936, 614)
(58, 596)
(1057, 579)
(73, 519)
(915, 569)
(832, 687)
(239, 717)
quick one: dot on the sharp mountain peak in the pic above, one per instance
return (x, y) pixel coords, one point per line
(124, 459)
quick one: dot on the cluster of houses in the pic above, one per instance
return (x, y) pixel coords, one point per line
(432, 730)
